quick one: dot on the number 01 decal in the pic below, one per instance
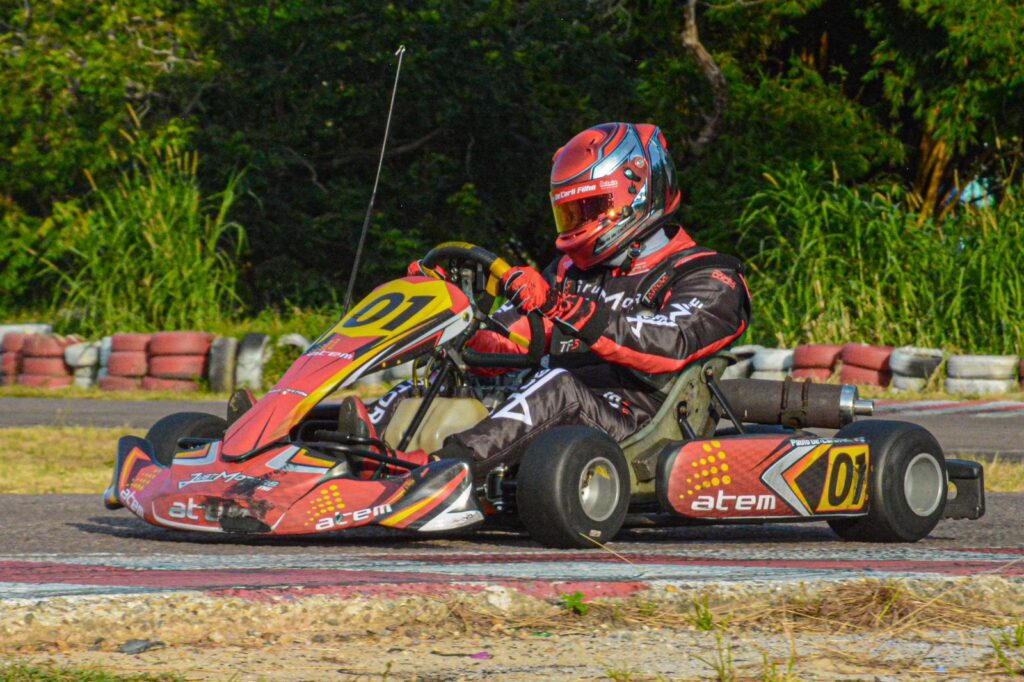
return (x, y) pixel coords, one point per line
(846, 480)
(395, 307)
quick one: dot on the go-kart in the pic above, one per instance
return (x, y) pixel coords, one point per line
(282, 466)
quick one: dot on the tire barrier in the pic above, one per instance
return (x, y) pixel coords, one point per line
(741, 370)
(253, 353)
(223, 353)
(773, 360)
(918, 363)
(136, 343)
(296, 340)
(865, 365)
(42, 361)
(814, 356)
(190, 367)
(82, 355)
(24, 329)
(10, 357)
(980, 386)
(903, 383)
(85, 377)
(867, 357)
(862, 376)
(773, 375)
(180, 343)
(989, 367)
(13, 342)
(127, 364)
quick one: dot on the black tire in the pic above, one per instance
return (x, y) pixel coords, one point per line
(164, 434)
(892, 515)
(556, 476)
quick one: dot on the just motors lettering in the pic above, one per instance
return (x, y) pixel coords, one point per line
(344, 518)
(227, 478)
(725, 502)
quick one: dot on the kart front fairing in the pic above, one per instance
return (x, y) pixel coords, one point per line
(257, 480)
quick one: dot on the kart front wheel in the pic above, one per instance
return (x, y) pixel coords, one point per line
(907, 483)
(166, 432)
(572, 488)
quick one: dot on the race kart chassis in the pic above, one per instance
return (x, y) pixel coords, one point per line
(282, 466)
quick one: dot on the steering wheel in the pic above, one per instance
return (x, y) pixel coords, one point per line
(495, 267)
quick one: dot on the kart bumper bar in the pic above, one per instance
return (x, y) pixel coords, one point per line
(969, 479)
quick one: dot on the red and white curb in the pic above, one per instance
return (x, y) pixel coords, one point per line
(431, 572)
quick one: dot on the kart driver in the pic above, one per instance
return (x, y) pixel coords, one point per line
(631, 302)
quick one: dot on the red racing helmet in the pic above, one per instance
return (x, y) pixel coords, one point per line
(611, 185)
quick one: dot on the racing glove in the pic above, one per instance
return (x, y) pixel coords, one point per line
(528, 291)
(418, 269)
(579, 317)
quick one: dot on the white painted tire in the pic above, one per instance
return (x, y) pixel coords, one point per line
(745, 352)
(980, 386)
(85, 355)
(982, 366)
(769, 375)
(902, 383)
(741, 370)
(106, 348)
(85, 377)
(773, 360)
(297, 340)
(919, 363)
(223, 358)
(253, 353)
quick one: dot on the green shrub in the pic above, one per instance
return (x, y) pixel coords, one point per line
(832, 264)
(149, 252)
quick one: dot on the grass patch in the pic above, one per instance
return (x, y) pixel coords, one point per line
(75, 393)
(1002, 476)
(19, 672)
(61, 459)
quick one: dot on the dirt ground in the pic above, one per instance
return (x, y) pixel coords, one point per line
(866, 630)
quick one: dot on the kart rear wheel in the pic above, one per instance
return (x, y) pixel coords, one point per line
(907, 483)
(573, 486)
(164, 434)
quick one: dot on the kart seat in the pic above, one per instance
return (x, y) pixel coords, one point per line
(688, 391)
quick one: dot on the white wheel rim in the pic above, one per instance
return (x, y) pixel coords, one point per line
(599, 489)
(922, 484)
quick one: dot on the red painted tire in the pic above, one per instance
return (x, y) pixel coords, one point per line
(821, 374)
(120, 343)
(814, 355)
(178, 366)
(13, 342)
(862, 376)
(49, 367)
(868, 357)
(42, 381)
(127, 364)
(9, 362)
(175, 385)
(109, 383)
(44, 346)
(8, 379)
(180, 343)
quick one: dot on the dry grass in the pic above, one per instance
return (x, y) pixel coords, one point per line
(58, 459)
(1001, 475)
(73, 392)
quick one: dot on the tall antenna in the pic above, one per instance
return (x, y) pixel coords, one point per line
(400, 52)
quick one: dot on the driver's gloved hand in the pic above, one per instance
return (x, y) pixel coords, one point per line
(528, 291)
(579, 317)
(418, 269)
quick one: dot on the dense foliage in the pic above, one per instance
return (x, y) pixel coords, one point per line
(905, 104)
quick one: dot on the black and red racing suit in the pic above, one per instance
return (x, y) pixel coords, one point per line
(654, 325)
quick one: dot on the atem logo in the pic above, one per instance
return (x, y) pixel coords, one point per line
(733, 502)
(185, 510)
(342, 518)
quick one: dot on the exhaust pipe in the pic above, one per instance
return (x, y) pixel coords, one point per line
(795, 404)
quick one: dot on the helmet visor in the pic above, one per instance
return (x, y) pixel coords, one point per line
(572, 214)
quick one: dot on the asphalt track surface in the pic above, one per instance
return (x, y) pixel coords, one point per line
(68, 545)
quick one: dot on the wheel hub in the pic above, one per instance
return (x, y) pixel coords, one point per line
(922, 484)
(599, 489)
